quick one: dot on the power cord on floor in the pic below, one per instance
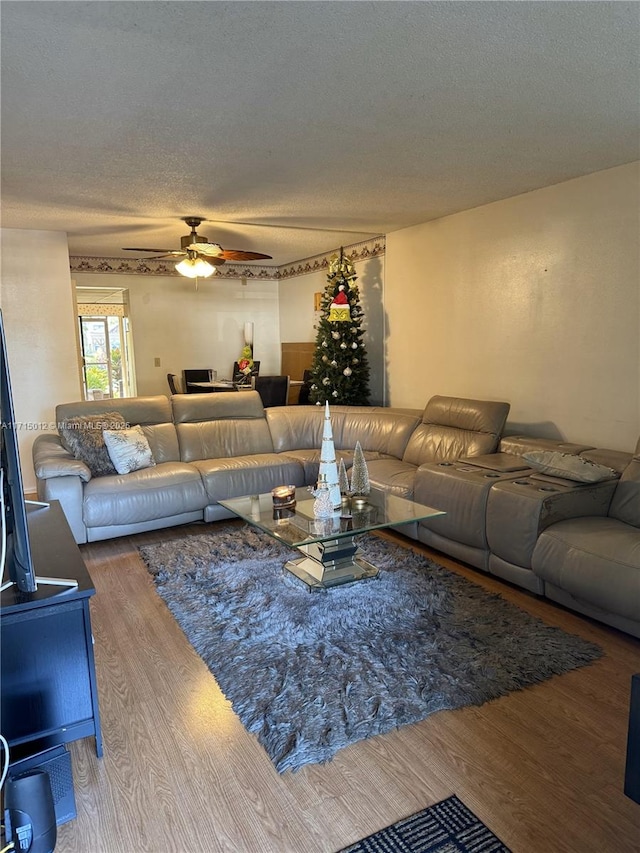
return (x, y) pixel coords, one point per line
(5, 769)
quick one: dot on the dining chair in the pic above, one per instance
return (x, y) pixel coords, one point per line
(273, 390)
(172, 379)
(189, 376)
(305, 389)
(241, 378)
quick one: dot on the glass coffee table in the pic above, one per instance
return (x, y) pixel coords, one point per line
(328, 546)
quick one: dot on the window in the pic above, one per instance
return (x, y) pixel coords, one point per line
(106, 351)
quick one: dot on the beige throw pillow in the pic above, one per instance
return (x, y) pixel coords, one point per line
(128, 449)
(569, 467)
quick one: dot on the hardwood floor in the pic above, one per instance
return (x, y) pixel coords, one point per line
(543, 767)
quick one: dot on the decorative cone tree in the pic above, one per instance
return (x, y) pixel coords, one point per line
(360, 484)
(340, 368)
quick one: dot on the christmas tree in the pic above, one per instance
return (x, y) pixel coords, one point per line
(340, 368)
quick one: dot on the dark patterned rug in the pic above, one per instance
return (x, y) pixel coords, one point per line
(310, 673)
(446, 827)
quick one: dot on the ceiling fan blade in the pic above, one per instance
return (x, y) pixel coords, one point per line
(160, 251)
(215, 261)
(213, 252)
(169, 255)
(237, 255)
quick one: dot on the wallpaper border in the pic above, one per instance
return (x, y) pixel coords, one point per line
(124, 266)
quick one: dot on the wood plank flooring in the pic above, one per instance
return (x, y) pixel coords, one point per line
(543, 767)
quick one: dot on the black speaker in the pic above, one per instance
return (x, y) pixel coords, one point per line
(57, 763)
(29, 815)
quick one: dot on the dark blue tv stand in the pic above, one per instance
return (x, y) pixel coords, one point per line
(47, 669)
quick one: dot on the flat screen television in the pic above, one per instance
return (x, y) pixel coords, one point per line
(15, 553)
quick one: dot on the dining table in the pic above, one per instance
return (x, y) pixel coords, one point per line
(220, 385)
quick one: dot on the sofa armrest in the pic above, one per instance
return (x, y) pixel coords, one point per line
(50, 459)
(519, 510)
(61, 477)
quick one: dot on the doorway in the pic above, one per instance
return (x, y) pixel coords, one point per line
(106, 344)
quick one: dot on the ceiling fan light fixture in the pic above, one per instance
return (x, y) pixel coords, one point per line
(195, 268)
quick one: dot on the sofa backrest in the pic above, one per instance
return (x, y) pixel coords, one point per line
(153, 414)
(216, 426)
(379, 429)
(625, 504)
(616, 459)
(521, 444)
(453, 427)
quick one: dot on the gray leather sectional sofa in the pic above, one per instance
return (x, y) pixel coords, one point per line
(579, 544)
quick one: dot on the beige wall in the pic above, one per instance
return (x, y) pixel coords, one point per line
(297, 317)
(534, 300)
(189, 328)
(37, 309)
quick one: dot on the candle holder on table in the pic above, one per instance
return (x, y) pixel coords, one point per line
(284, 497)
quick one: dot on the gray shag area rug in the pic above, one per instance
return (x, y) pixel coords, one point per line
(309, 673)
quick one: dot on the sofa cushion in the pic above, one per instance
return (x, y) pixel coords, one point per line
(82, 436)
(167, 489)
(393, 476)
(453, 427)
(310, 460)
(153, 414)
(219, 426)
(568, 466)
(616, 459)
(128, 449)
(380, 431)
(625, 504)
(519, 444)
(135, 410)
(595, 559)
(248, 475)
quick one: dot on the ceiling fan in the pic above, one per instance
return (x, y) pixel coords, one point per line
(200, 256)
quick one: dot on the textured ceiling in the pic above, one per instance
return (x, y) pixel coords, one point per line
(297, 126)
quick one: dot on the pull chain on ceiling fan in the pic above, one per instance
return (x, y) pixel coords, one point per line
(201, 256)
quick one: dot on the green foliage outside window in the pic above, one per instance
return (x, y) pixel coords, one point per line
(96, 377)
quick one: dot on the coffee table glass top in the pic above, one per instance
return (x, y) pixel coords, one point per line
(297, 526)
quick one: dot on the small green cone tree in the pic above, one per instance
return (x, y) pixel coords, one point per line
(340, 367)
